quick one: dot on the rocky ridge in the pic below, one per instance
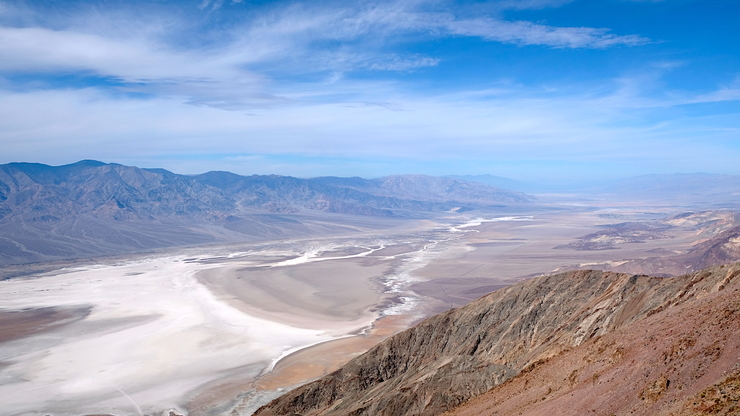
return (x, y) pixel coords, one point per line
(683, 361)
(721, 249)
(703, 225)
(450, 358)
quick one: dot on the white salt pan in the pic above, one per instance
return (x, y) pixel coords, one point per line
(154, 333)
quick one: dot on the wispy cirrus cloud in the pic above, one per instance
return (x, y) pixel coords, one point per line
(273, 35)
(531, 4)
(528, 33)
(234, 67)
(388, 19)
(337, 80)
(408, 63)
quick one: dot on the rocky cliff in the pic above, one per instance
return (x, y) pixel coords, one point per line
(683, 361)
(455, 356)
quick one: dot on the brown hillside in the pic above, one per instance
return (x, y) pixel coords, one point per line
(452, 357)
(683, 361)
(722, 248)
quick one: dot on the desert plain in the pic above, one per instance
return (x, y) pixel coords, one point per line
(222, 329)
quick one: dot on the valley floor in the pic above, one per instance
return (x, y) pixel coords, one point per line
(222, 329)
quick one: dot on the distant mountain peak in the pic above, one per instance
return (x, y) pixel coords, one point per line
(86, 162)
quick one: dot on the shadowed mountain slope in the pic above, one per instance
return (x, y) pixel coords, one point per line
(430, 188)
(460, 354)
(107, 191)
(92, 208)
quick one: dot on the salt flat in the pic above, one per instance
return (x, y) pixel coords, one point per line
(150, 336)
(153, 335)
(200, 331)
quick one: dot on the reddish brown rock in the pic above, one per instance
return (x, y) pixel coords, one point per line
(682, 361)
(524, 333)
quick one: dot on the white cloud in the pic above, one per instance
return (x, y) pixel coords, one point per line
(528, 33)
(285, 75)
(292, 32)
(44, 50)
(214, 4)
(235, 68)
(404, 64)
(471, 126)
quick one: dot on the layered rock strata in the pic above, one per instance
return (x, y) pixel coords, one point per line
(460, 354)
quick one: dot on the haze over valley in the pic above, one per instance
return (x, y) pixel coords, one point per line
(369, 208)
(296, 277)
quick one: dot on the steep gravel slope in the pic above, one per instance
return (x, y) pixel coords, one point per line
(452, 357)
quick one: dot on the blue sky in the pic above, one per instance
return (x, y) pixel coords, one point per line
(538, 90)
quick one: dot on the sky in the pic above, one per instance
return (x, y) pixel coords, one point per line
(536, 90)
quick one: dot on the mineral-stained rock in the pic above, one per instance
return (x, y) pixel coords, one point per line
(452, 357)
(682, 361)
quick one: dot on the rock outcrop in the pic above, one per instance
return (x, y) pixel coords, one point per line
(722, 248)
(460, 354)
(682, 361)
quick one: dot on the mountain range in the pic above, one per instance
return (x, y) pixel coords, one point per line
(93, 208)
(702, 189)
(579, 342)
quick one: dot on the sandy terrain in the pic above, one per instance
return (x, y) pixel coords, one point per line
(16, 324)
(312, 295)
(222, 329)
(503, 252)
(292, 370)
(316, 361)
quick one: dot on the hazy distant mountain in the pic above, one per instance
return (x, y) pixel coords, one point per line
(355, 195)
(678, 182)
(430, 188)
(704, 188)
(93, 208)
(680, 187)
(497, 181)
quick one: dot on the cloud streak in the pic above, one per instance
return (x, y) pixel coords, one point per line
(292, 41)
(528, 33)
(440, 129)
(333, 82)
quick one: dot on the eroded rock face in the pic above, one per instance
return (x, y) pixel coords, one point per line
(452, 357)
(682, 361)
